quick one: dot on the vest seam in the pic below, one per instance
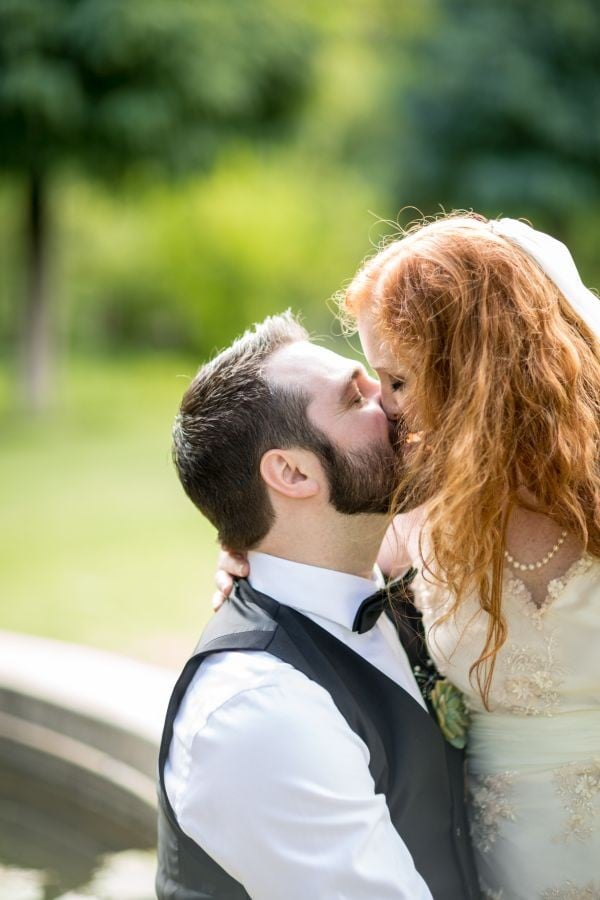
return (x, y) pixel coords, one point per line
(233, 634)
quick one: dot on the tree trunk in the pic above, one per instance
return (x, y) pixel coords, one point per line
(38, 336)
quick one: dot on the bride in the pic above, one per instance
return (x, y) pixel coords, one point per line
(487, 346)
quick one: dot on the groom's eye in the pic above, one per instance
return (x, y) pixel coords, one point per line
(356, 398)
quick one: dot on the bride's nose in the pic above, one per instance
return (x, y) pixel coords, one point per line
(389, 406)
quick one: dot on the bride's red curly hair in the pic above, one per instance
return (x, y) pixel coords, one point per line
(507, 388)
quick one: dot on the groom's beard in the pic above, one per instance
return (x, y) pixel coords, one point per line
(362, 481)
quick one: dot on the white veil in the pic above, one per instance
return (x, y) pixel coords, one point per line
(558, 264)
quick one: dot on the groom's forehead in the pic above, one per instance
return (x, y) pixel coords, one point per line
(308, 365)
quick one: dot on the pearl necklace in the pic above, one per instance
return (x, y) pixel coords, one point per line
(524, 567)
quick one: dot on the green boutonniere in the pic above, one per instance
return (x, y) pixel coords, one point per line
(447, 702)
(452, 714)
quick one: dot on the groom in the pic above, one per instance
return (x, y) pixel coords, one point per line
(298, 760)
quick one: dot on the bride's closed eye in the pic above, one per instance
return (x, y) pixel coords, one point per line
(397, 384)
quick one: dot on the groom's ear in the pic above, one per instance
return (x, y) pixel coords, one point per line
(292, 473)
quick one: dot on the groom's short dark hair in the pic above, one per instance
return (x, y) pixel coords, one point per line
(230, 415)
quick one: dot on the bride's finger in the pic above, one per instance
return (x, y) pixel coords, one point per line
(224, 582)
(235, 564)
(218, 599)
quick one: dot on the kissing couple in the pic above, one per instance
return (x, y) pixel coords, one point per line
(310, 749)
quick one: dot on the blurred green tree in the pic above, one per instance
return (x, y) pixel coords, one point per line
(501, 111)
(111, 84)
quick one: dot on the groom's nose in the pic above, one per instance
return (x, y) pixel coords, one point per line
(376, 397)
(371, 389)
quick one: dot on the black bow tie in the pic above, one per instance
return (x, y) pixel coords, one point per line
(371, 608)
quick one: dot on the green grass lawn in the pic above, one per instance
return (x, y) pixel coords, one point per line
(98, 543)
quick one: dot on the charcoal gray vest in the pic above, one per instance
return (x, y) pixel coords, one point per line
(419, 773)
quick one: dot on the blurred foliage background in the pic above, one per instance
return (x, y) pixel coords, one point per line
(173, 170)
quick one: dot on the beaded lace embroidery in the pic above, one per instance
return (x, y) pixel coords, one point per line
(489, 894)
(533, 680)
(578, 785)
(489, 804)
(557, 585)
(519, 591)
(570, 891)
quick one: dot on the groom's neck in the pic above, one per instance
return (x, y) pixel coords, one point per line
(342, 543)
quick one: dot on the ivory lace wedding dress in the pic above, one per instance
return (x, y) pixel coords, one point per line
(534, 760)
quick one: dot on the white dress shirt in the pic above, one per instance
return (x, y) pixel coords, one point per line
(266, 775)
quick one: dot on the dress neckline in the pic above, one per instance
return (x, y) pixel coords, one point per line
(554, 589)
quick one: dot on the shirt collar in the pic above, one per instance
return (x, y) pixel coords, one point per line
(325, 593)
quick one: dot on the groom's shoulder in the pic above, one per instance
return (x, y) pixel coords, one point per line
(260, 691)
(238, 625)
(224, 674)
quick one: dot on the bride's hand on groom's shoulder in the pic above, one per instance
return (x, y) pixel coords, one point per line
(230, 565)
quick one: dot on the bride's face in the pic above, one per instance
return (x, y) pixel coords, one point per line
(396, 378)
